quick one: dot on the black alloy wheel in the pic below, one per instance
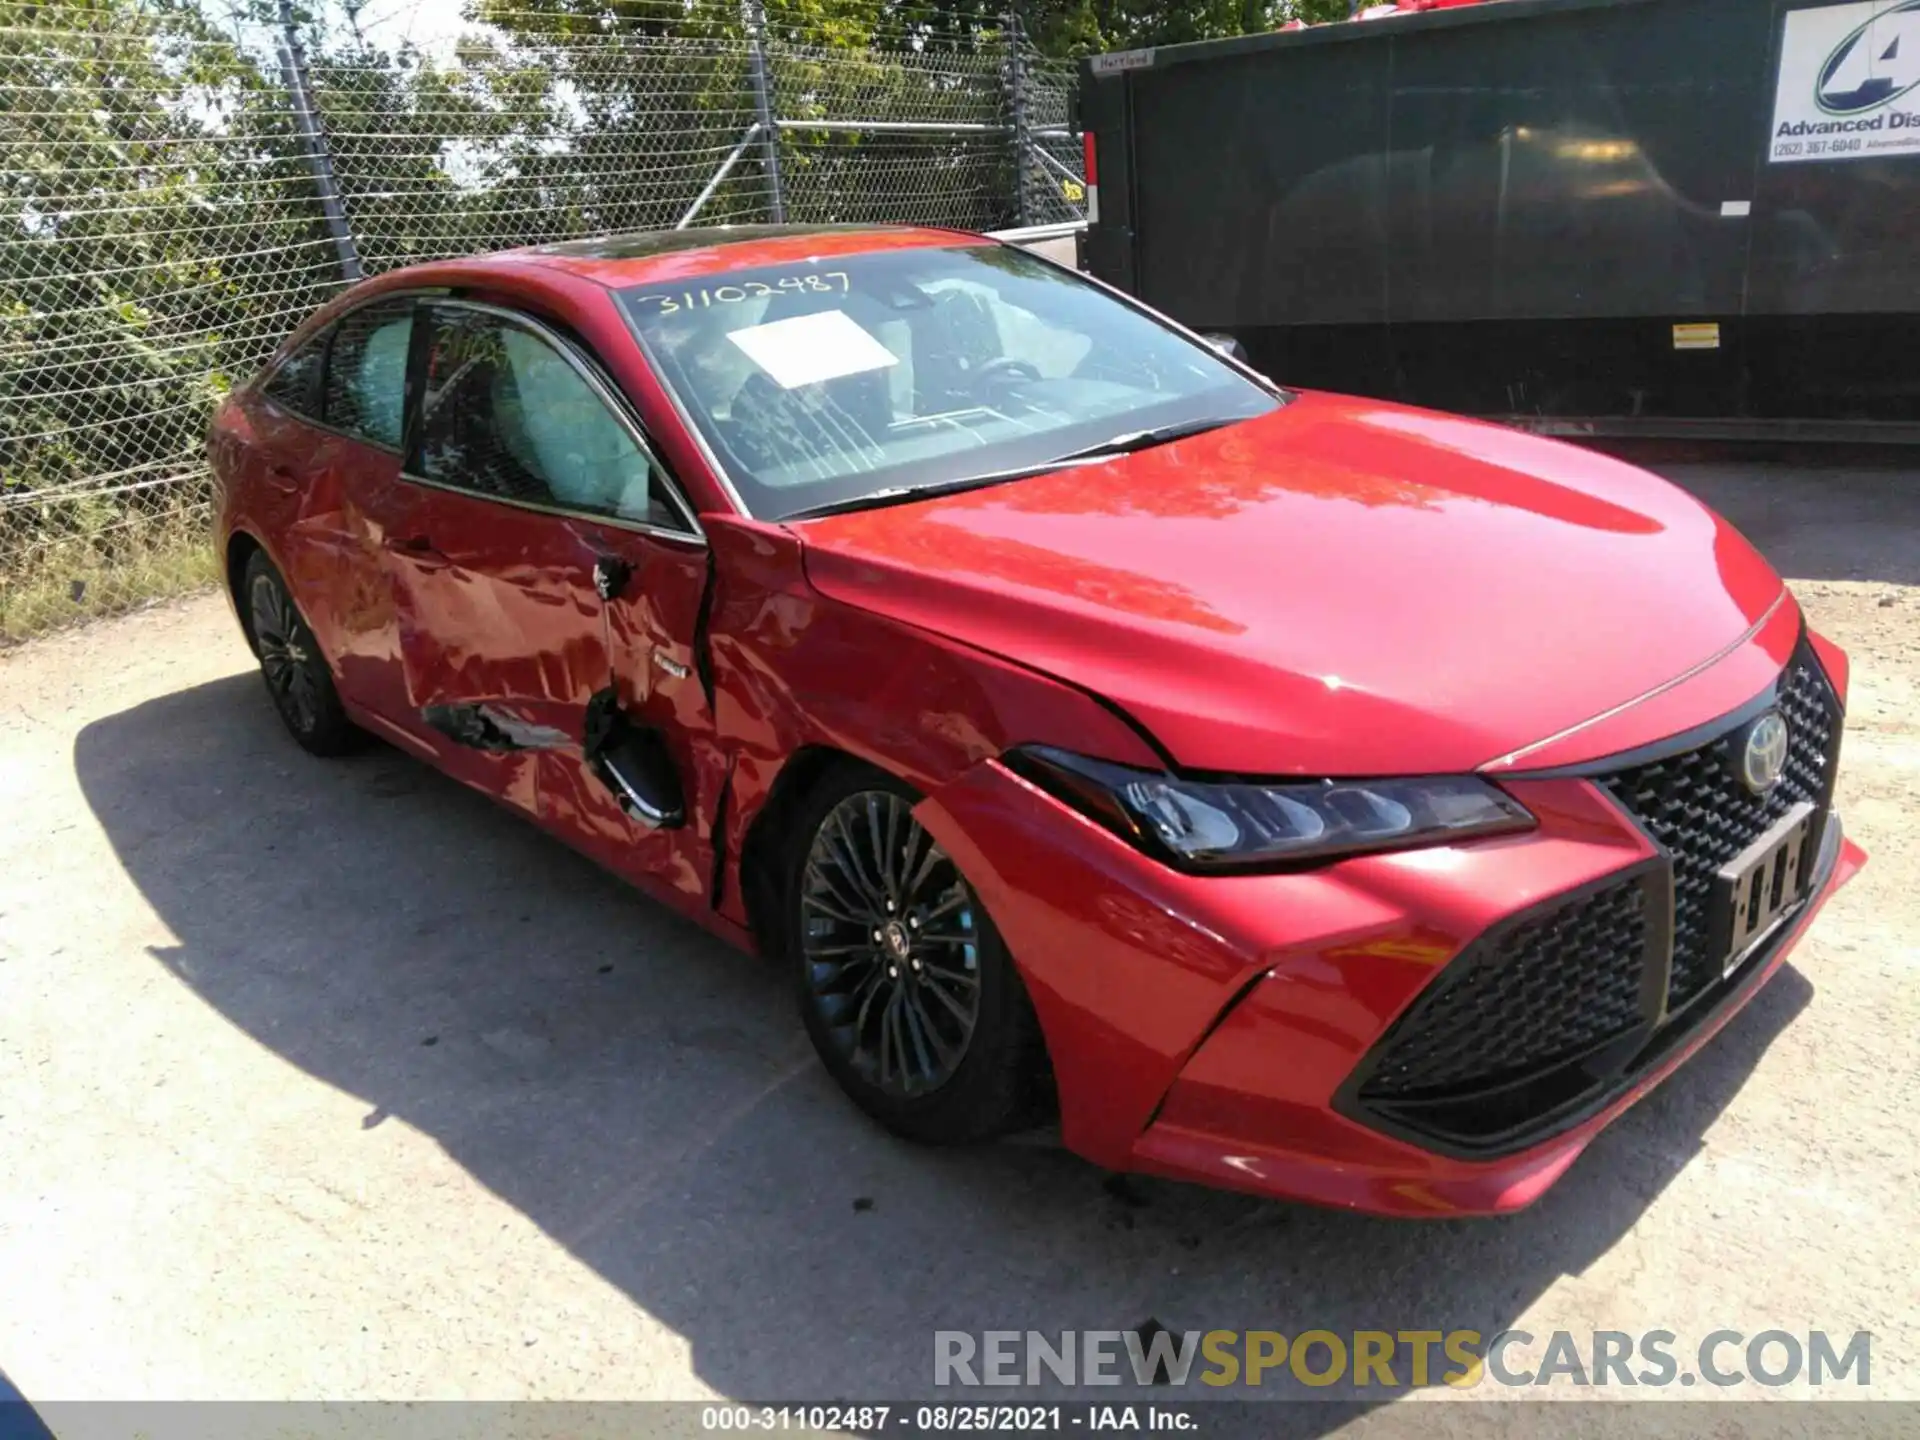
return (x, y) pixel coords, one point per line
(298, 680)
(893, 957)
(907, 990)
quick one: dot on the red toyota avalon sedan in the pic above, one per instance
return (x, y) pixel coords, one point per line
(1303, 794)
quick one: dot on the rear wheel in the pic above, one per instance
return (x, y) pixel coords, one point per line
(906, 988)
(295, 671)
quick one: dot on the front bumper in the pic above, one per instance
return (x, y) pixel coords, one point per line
(1215, 1028)
(1215, 1129)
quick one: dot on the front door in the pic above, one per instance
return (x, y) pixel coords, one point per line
(549, 581)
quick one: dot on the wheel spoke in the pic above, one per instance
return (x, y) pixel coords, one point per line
(954, 901)
(908, 855)
(863, 948)
(873, 988)
(301, 697)
(266, 614)
(881, 879)
(928, 863)
(916, 1024)
(847, 857)
(860, 912)
(889, 853)
(890, 1038)
(959, 1011)
(814, 902)
(946, 937)
(903, 1040)
(949, 1048)
(956, 977)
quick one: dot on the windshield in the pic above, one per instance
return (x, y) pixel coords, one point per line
(825, 381)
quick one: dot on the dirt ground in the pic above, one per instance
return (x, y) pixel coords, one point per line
(333, 1080)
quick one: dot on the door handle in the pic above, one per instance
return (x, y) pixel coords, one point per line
(610, 576)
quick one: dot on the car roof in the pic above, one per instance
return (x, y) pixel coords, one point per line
(618, 261)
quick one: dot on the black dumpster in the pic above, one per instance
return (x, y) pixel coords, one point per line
(1591, 216)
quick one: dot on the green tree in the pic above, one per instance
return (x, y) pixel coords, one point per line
(155, 240)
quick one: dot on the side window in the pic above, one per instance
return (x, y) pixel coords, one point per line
(367, 372)
(295, 385)
(505, 414)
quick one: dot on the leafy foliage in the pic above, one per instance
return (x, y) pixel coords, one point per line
(154, 240)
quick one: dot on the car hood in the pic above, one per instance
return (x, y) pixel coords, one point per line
(1342, 587)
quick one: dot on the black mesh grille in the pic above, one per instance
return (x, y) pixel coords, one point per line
(1548, 989)
(1696, 806)
(1540, 1022)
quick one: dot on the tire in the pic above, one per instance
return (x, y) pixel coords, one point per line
(295, 672)
(928, 1029)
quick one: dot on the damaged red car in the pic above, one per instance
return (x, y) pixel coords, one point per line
(1297, 793)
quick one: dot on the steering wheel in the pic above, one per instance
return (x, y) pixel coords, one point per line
(1001, 369)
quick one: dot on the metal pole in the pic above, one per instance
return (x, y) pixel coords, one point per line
(1067, 172)
(1017, 114)
(896, 127)
(760, 75)
(293, 69)
(726, 169)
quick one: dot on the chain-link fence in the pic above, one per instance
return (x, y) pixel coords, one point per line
(177, 191)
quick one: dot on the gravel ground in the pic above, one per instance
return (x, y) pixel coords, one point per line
(332, 1080)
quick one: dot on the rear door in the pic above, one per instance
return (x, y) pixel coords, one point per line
(287, 469)
(549, 579)
(362, 405)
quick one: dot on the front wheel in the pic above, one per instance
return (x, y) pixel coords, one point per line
(906, 988)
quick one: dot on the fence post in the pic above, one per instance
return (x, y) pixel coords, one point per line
(761, 77)
(293, 69)
(1017, 127)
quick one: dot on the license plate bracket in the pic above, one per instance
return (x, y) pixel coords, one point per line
(1759, 887)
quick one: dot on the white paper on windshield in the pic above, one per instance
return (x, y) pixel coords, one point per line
(810, 348)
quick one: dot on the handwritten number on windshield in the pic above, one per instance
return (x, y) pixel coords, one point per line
(827, 282)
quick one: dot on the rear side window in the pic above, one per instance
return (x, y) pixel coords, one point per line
(507, 415)
(367, 372)
(295, 385)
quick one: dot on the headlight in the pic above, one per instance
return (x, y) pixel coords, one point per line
(1197, 824)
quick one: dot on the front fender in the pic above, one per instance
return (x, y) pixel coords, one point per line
(794, 671)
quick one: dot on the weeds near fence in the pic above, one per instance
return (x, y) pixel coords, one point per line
(137, 560)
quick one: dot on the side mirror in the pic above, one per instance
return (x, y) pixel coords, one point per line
(1227, 346)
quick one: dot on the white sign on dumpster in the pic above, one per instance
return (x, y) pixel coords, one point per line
(1846, 85)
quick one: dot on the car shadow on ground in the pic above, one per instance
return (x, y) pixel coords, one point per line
(18, 1419)
(647, 1097)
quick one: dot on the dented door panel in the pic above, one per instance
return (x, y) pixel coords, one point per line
(500, 650)
(365, 643)
(506, 643)
(651, 617)
(293, 469)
